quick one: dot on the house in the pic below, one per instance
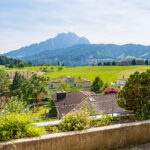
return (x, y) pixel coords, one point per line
(72, 101)
(140, 62)
(71, 81)
(129, 62)
(125, 63)
(121, 82)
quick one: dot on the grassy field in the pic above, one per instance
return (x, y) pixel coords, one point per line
(107, 73)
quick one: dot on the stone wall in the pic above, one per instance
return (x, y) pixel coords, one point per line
(90, 139)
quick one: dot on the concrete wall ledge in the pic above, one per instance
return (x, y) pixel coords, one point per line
(91, 139)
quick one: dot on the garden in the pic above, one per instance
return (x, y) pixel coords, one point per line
(17, 120)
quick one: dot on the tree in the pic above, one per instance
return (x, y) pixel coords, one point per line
(107, 63)
(113, 63)
(30, 90)
(29, 63)
(135, 95)
(58, 63)
(21, 65)
(99, 64)
(133, 62)
(39, 88)
(146, 62)
(97, 85)
(60, 68)
(4, 83)
(17, 84)
(63, 86)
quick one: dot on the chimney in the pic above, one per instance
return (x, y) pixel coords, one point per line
(61, 95)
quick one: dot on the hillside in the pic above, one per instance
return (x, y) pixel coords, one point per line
(73, 50)
(87, 54)
(62, 40)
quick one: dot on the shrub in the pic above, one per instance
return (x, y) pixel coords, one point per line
(14, 105)
(78, 120)
(135, 95)
(110, 90)
(105, 119)
(14, 126)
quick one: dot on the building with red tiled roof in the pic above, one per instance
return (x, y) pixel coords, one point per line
(72, 101)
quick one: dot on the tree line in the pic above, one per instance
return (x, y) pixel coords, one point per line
(113, 63)
(13, 63)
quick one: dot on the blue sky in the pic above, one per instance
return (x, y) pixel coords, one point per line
(23, 22)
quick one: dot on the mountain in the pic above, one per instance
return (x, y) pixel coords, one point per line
(74, 50)
(62, 40)
(86, 54)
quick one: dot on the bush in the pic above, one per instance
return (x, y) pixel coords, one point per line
(14, 126)
(135, 95)
(110, 90)
(103, 121)
(14, 105)
(78, 120)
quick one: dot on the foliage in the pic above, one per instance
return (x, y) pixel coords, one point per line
(146, 62)
(31, 90)
(116, 118)
(53, 111)
(50, 128)
(97, 85)
(106, 85)
(105, 119)
(17, 84)
(63, 86)
(78, 120)
(14, 105)
(4, 83)
(113, 63)
(135, 95)
(110, 90)
(13, 63)
(99, 64)
(21, 65)
(133, 62)
(5, 60)
(14, 126)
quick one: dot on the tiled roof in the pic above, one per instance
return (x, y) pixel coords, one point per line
(105, 104)
(70, 102)
(74, 100)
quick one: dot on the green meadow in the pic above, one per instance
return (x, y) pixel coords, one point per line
(106, 73)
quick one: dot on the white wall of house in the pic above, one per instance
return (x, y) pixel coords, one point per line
(84, 85)
(121, 82)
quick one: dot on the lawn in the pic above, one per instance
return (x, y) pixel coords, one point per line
(107, 73)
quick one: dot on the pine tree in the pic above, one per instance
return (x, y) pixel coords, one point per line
(97, 85)
(133, 62)
(17, 84)
(146, 62)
